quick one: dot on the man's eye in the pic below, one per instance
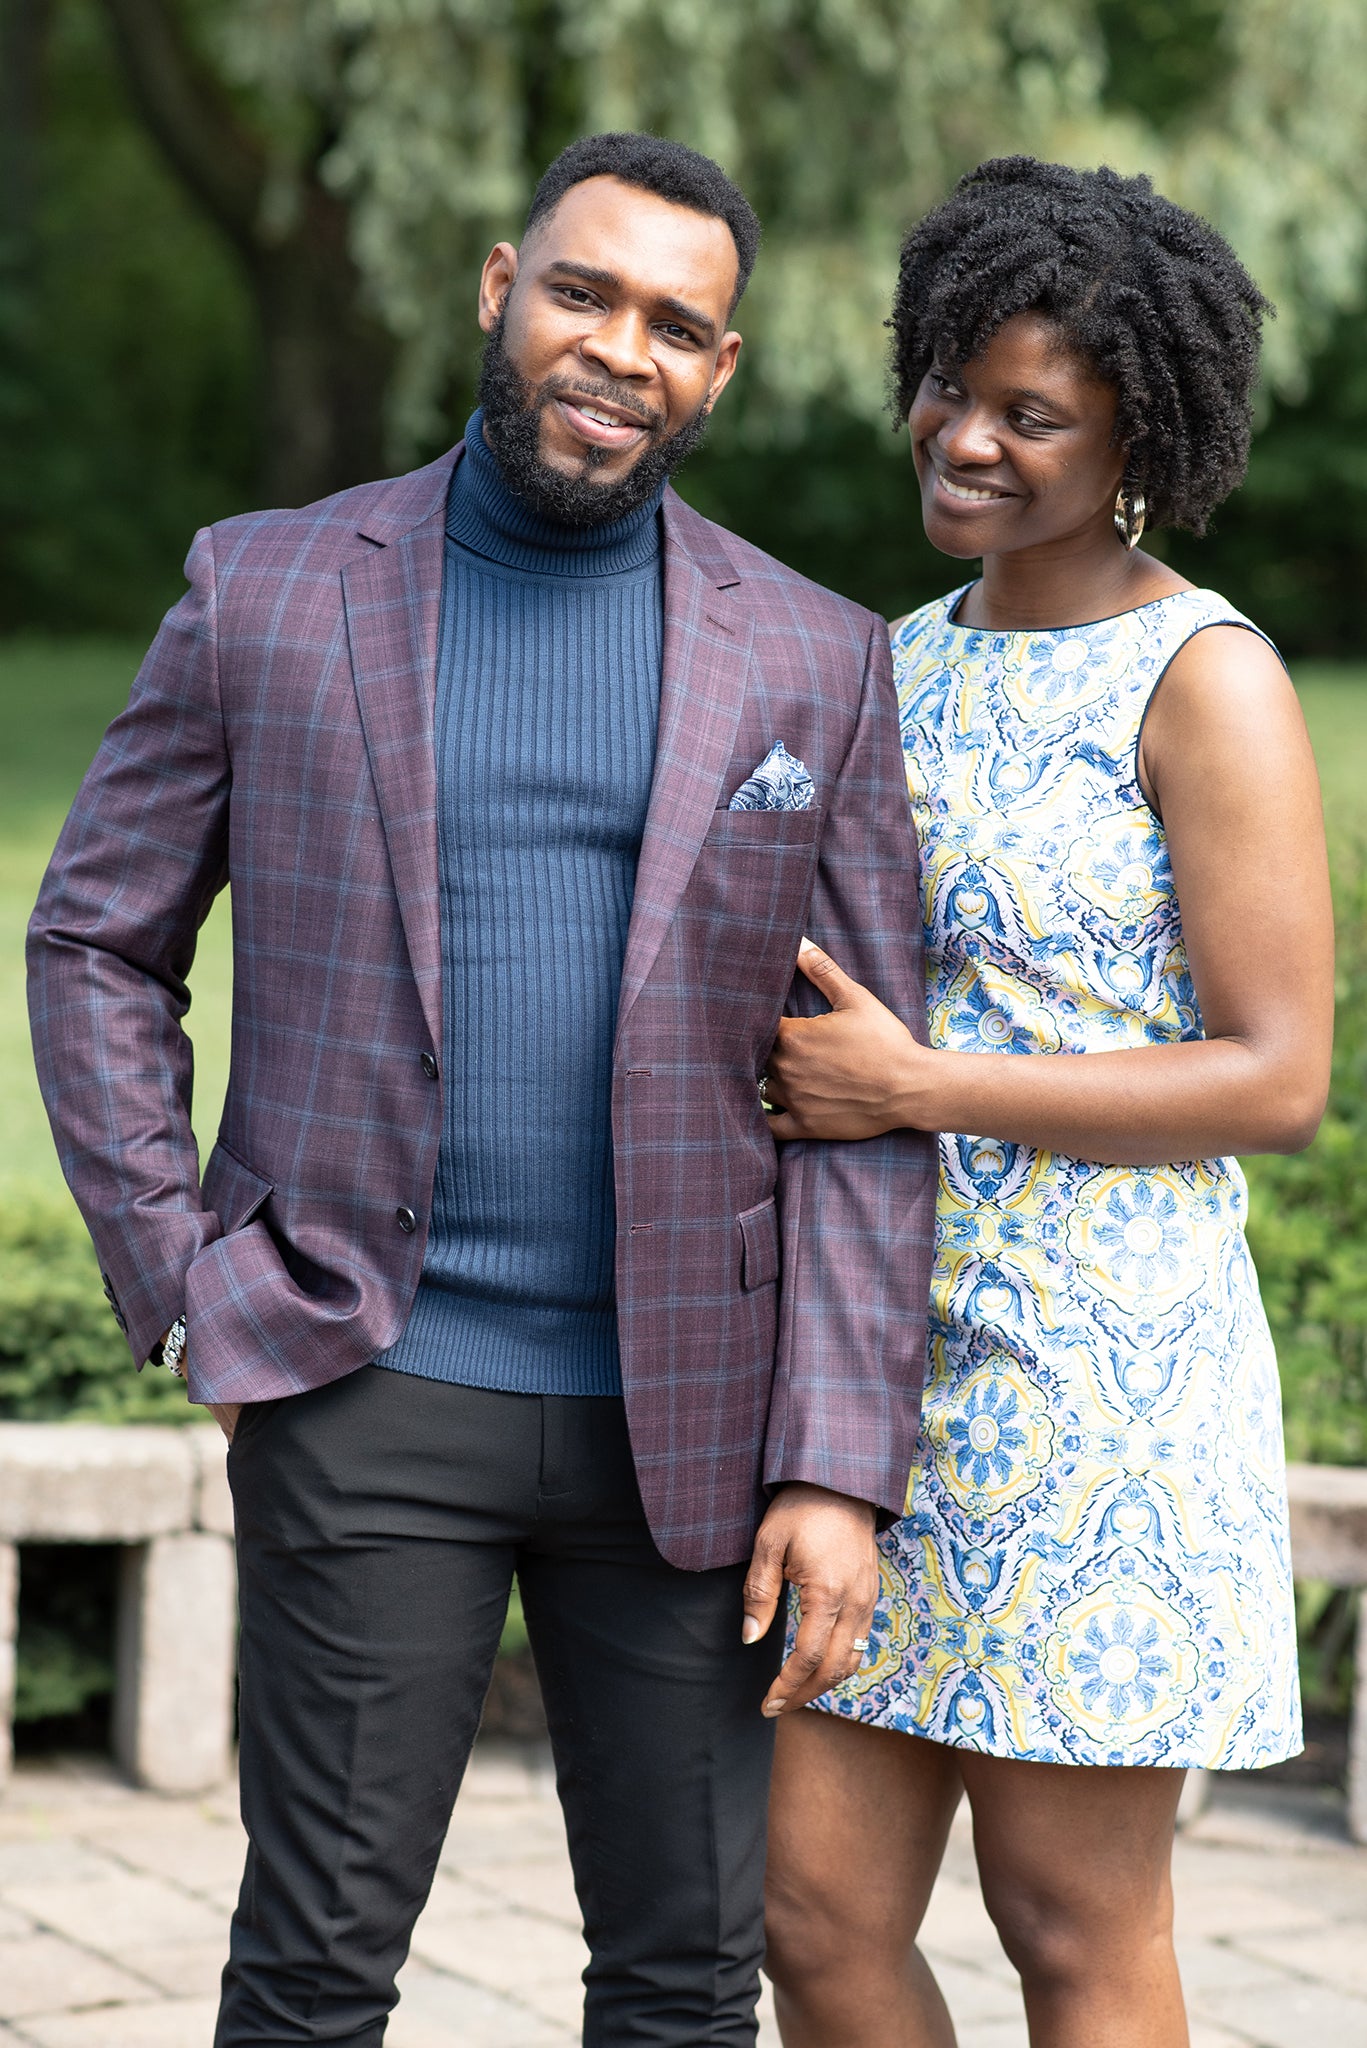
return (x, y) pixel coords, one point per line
(577, 294)
(675, 332)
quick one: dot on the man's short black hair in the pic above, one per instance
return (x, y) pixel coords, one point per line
(1148, 294)
(668, 169)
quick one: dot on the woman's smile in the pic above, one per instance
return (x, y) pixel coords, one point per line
(962, 493)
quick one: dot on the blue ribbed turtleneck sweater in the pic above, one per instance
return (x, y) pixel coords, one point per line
(547, 701)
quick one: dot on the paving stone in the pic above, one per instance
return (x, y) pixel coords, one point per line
(502, 1951)
(1321, 1952)
(52, 1861)
(559, 2000)
(42, 1973)
(452, 1894)
(971, 1995)
(957, 1924)
(437, 2010)
(502, 1834)
(1211, 1967)
(171, 2023)
(114, 1914)
(202, 1855)
(1294, 2015)
(1249, 1910)
(543, 1886)
(1269, 1921)
(182, 1969)
(1289, 1819)
(1002, 2033)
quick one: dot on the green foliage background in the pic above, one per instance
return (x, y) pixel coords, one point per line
(131, 367)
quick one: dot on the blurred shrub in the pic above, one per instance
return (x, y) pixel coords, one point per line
(64, 1672)
(62, 1355)
(1308, 1232)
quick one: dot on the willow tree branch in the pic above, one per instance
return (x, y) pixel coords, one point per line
(190, 116)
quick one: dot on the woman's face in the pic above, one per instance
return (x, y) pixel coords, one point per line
(1014, 450)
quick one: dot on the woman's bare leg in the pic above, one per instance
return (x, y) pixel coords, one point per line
(858, 1820)
(1075, 1862)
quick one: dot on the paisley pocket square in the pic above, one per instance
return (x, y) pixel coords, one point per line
(780, 783)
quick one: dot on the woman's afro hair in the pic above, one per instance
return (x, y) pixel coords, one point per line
(1150, 295)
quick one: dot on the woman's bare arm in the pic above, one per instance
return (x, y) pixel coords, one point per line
(1227, 762)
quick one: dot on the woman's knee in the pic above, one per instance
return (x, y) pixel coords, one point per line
(1067, 1932)
(807, 1927)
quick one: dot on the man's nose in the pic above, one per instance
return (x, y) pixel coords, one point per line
(620, 345)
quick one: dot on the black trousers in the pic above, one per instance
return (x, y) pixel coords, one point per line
(380, 1521)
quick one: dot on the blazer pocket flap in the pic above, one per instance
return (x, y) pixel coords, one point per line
(233, 1190)
(759, 1245)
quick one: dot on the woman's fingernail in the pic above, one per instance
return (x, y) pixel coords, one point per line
(772, 1709)
(750, 1630)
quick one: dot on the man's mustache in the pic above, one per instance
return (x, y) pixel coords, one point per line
(600, 391)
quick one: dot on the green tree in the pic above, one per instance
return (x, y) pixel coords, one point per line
(427, 121)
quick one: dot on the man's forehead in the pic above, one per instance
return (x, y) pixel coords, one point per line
(651, 243)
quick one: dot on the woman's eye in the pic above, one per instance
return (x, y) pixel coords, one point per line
(945, 386)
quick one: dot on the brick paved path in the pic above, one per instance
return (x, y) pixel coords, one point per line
(114, 1908)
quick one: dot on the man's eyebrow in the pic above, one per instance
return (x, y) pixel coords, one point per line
(589, 273)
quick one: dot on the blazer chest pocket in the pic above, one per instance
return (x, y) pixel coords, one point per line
(757, 867)
(233, 1190)
(759, 1255)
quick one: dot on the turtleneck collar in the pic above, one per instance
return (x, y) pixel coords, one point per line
(483, 515)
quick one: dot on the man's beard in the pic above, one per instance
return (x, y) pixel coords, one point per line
(512, 410)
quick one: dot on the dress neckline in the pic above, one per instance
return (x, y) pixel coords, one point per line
(955, 598)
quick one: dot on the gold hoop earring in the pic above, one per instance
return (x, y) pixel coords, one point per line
(1129, 515)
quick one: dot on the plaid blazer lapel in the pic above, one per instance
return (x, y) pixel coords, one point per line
(707, 638)
(393, 600)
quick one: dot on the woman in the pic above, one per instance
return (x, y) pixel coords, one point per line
(1092, 1590)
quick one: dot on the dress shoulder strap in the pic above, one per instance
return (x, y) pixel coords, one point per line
(1167, 624)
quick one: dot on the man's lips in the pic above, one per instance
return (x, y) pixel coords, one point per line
(604, 426)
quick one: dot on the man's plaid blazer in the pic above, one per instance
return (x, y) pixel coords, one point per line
(279, 736)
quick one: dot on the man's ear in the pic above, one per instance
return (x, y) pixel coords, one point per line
(496, 281)
(725, 367)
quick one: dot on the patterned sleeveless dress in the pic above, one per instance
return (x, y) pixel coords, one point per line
(1095, 1565)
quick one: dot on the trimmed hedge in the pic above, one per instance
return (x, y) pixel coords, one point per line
(1307, 1229)
(62, 1356)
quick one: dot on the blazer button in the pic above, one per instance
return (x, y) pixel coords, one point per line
(406, 1221)
(429, 1066)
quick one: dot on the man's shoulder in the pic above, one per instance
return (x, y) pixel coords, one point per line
(782, 596)
(324, 533)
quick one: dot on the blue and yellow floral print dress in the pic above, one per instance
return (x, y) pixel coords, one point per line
(1095, 1565)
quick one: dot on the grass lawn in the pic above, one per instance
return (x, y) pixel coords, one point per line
(56, 697)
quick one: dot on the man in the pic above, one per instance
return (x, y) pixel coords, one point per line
(528, 781)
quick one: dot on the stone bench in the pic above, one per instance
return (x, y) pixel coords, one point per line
(161, 1493)
(1328, 1542)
